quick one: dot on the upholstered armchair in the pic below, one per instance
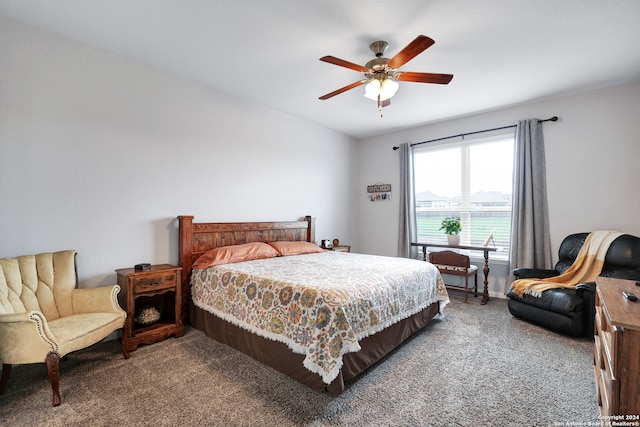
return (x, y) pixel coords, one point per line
(43, 316)
(572, 311)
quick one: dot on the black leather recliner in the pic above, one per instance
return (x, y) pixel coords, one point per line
(572, 311)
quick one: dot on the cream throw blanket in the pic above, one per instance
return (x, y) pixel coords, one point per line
(585, 268)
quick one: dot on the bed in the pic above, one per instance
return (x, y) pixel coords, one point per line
(322, 356)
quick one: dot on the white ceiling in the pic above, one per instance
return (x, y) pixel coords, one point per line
(501, 52)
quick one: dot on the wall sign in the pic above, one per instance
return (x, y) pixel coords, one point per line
(379, 192)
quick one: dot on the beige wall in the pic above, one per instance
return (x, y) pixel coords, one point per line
(100, 154)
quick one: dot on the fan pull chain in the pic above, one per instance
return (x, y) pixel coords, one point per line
(379, 105)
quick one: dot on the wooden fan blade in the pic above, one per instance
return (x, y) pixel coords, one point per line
(417, 46)
(408, 76)
(344, 89)
(343, 63)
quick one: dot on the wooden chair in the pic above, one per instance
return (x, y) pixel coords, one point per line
(449, 262)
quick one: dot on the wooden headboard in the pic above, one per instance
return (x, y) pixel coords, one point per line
(197, 238)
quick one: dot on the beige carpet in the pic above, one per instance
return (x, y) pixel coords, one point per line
(477, 366)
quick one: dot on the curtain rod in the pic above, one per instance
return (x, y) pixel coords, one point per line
(550, 119)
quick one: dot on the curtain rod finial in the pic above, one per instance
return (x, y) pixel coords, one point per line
(395, 148)
(550, 119)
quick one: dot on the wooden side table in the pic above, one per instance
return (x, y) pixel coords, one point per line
(159, 288)
(342, 248)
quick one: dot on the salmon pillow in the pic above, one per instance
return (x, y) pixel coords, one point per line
(285, 248)
(235, 253)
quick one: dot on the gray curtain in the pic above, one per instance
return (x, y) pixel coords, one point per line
(408, 230)
(530, 241)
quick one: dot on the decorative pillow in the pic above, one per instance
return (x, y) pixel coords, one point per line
(285, 248)
(235, 253)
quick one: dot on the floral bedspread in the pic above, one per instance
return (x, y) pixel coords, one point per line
(320, 304)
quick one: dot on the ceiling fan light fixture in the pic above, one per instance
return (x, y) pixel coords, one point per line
(372, 89)
(389, 88)
(385, 88)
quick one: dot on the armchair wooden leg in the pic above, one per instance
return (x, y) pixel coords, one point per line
(53, 366)
(6, 371)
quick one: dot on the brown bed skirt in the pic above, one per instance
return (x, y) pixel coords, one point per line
(278, 356)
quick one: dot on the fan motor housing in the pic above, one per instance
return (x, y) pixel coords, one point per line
(378, 64)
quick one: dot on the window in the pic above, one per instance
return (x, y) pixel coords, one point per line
(471, 179)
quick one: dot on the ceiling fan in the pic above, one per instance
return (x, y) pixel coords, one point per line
(382, 74)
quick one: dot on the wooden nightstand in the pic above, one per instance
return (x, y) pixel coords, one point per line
(341, 248)
(159, 288)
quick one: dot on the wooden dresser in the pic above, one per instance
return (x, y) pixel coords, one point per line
(617, 348)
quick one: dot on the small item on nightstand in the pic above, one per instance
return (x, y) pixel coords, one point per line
(630, 296)
(147, 315)
(142, 267)
(326, 244)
